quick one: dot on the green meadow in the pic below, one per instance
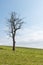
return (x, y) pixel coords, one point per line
(21, 56)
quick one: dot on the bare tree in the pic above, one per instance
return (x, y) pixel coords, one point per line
(15, 24)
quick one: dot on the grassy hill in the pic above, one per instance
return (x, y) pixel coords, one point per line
(22, 56)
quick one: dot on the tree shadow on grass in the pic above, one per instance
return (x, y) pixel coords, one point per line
(2, 49)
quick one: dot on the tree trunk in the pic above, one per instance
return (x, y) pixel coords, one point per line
(13, 42)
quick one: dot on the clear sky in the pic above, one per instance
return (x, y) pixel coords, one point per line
(31, 35)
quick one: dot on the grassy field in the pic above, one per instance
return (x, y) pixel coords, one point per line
(22, 56)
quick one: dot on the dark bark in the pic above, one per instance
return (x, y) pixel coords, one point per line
(14, 42)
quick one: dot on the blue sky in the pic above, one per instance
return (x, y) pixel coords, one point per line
(31, 35)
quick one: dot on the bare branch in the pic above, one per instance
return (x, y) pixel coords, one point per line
(20, 24)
